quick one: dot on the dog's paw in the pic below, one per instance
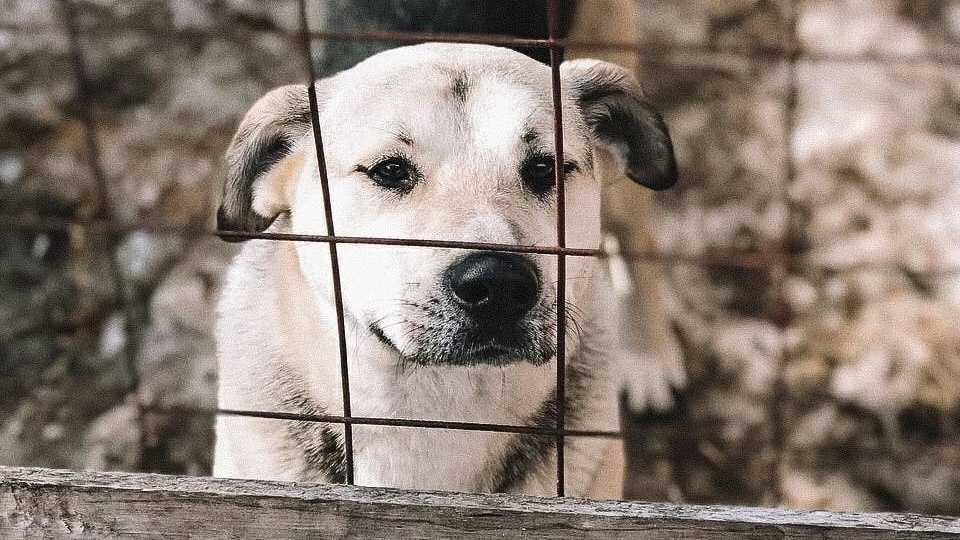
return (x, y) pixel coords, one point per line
(651, 383)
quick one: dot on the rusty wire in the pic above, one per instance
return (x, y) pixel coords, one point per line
(334, 260)
(556, 54)
(746, 260)
(179, 410)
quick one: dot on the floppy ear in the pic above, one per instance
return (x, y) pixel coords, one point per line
(622, 122)
(253, 192)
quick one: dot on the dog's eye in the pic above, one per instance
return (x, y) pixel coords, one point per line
(395, 174)
(538, 174)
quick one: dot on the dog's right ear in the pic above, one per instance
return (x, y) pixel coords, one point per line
(254, 191)
(622, 121)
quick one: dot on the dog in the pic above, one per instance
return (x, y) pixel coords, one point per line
(433, 142)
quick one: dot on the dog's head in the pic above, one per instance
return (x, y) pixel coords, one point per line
(445, 142)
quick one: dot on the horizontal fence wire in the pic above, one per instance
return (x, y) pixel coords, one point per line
(178, 410)
(651, 49)
(757, 259)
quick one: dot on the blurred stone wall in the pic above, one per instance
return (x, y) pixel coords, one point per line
(820, 139)
(168, 82)
(823, 135)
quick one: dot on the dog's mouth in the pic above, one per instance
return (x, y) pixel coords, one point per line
(485, 309)
(470, 346)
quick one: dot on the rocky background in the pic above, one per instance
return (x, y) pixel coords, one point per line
(818, 139)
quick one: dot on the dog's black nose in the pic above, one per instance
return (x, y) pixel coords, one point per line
(496, 289)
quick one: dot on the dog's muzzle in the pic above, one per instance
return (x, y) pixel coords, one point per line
(494, 290)
(490, 310)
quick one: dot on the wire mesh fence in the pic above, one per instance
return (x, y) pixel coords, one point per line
(777, 259)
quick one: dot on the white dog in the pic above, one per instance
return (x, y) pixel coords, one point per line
(448, 142)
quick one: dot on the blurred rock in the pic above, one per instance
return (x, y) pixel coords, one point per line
(177, 360)
(144, 257)
(899, 352)
(726, 118)
(165, 107)
(170, 16)
(900, 27)
(44, 295)
(874, 355)
(722, 24)
(878, 165)
(178, 355)
(42, 154)
(112, 442)
(719, 445)
(873, 389)
(27, 13)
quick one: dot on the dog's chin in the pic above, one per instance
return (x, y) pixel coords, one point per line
(467, 348)
(490, 352)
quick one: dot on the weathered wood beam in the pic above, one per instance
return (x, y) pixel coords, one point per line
(44, 503)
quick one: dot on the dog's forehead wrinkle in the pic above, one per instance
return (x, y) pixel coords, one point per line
(460, 84)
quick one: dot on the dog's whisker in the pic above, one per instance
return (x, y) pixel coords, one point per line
(577, 328)
(379, 323)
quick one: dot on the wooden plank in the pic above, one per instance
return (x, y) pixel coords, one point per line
(44, 503)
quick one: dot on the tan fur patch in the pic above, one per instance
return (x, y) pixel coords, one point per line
(274, 193)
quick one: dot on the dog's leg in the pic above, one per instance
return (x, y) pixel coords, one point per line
(651, 358)
(608, 483)
(651, 361)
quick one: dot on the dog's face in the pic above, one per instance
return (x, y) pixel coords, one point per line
(446, 142)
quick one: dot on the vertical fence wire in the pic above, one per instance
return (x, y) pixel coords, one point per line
(334, 260)
(556, 52)
(780, 309)
(104, 212)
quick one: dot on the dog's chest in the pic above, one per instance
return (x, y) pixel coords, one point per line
(430, 458)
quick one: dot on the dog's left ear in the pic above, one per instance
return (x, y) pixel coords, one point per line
(258, 168)
(622, 122)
